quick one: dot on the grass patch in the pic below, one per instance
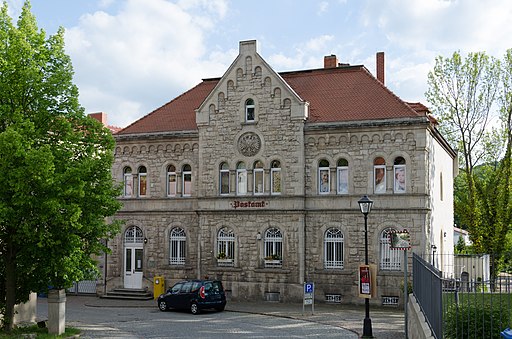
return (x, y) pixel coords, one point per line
(40, 333)
(476, 315)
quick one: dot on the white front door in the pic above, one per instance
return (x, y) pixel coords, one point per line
(133, 258)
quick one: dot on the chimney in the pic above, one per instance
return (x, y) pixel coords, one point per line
(101, 117)
(330, 61)
(380, 66)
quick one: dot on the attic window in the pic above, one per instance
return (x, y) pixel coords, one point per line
(249, 110)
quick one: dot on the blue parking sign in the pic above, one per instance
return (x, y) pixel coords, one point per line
(308, 288)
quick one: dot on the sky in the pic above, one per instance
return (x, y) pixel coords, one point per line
(132, 56)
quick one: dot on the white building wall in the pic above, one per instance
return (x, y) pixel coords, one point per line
(441, 187)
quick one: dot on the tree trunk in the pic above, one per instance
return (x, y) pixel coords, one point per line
(10, 286)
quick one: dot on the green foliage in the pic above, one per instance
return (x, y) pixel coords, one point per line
(464, 93)
(477, 316)
(40, 333)
(55, 167)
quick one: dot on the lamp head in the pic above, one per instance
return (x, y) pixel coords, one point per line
(365, 204)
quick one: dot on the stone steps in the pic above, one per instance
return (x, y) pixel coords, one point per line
(128, 294)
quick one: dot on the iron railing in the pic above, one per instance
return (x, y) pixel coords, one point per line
(463, 301)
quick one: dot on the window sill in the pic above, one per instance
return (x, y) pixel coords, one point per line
(225, 269)
(272, 270)
(180, 267)
(391, 272)
(338, 271)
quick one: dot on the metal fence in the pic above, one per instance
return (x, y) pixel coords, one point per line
(427, 289)
(464, 304)
(83, 287)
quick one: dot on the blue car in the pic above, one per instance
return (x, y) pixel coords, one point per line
(194, 295)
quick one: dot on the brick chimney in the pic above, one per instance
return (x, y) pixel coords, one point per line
(100, 116)
(380, 66)
(330, 61)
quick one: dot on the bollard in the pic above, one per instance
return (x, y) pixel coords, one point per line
(56, 311)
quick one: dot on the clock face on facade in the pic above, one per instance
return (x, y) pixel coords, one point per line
(249, 144)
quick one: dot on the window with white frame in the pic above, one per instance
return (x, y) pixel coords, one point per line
(333, 248)
(275, 177)
(342, 176)
(399, 177)
(143, 181)
(171, 181)
(273, 243)
(177, 246)
(187, 180)
(379, 175)
(249, 110)
(324, 177)
(258, 175)
(224, 178)
(226, 245)
(241, 179)
(390, 260)
(128, 182)
(133, 235)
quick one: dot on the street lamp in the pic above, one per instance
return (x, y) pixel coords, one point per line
(434, 249)
(365, 204)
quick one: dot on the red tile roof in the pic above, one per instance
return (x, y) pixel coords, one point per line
(334, 95)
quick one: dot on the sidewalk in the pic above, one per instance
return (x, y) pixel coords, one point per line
(387, 323)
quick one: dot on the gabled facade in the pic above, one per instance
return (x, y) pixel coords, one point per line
(253, 178)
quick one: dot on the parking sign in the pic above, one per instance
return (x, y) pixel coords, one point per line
(309, 296)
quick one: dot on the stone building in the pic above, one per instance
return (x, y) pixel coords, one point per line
(254, 178)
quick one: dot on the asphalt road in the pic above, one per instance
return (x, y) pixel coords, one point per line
(118, 322)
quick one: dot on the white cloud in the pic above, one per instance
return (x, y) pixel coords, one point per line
(304, 55)
(139, 58)
(322, 7)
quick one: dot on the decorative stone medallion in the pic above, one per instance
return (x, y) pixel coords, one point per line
(249, 144)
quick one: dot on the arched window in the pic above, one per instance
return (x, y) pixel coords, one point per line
(275, 177)
(171, 181)
(224, 178)
(249, 110)
(225, 247)
(342, 176)
(143, 181)
(187, 180)
(333, 248)
(324, 177)
(273, 243)
(177, 246)
(389, 259)
(133, 235)
(241, 179)
(379, 175)
(128, 182)
(258, 174)
(400, 173)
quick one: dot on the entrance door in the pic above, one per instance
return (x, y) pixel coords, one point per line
(133, 257)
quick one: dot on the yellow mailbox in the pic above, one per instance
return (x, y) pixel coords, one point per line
(158, 286)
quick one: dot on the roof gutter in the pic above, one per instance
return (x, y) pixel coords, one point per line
(157, 135)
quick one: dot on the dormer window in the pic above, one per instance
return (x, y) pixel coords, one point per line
(249, 110)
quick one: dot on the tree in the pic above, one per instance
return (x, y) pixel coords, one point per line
(463, 94)
(55, 168)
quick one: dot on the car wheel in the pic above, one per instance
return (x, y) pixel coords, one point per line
(220, 308)
(162, 305)
(194, 308)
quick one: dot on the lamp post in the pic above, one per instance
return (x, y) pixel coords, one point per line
(365, 204)
(434, 249)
